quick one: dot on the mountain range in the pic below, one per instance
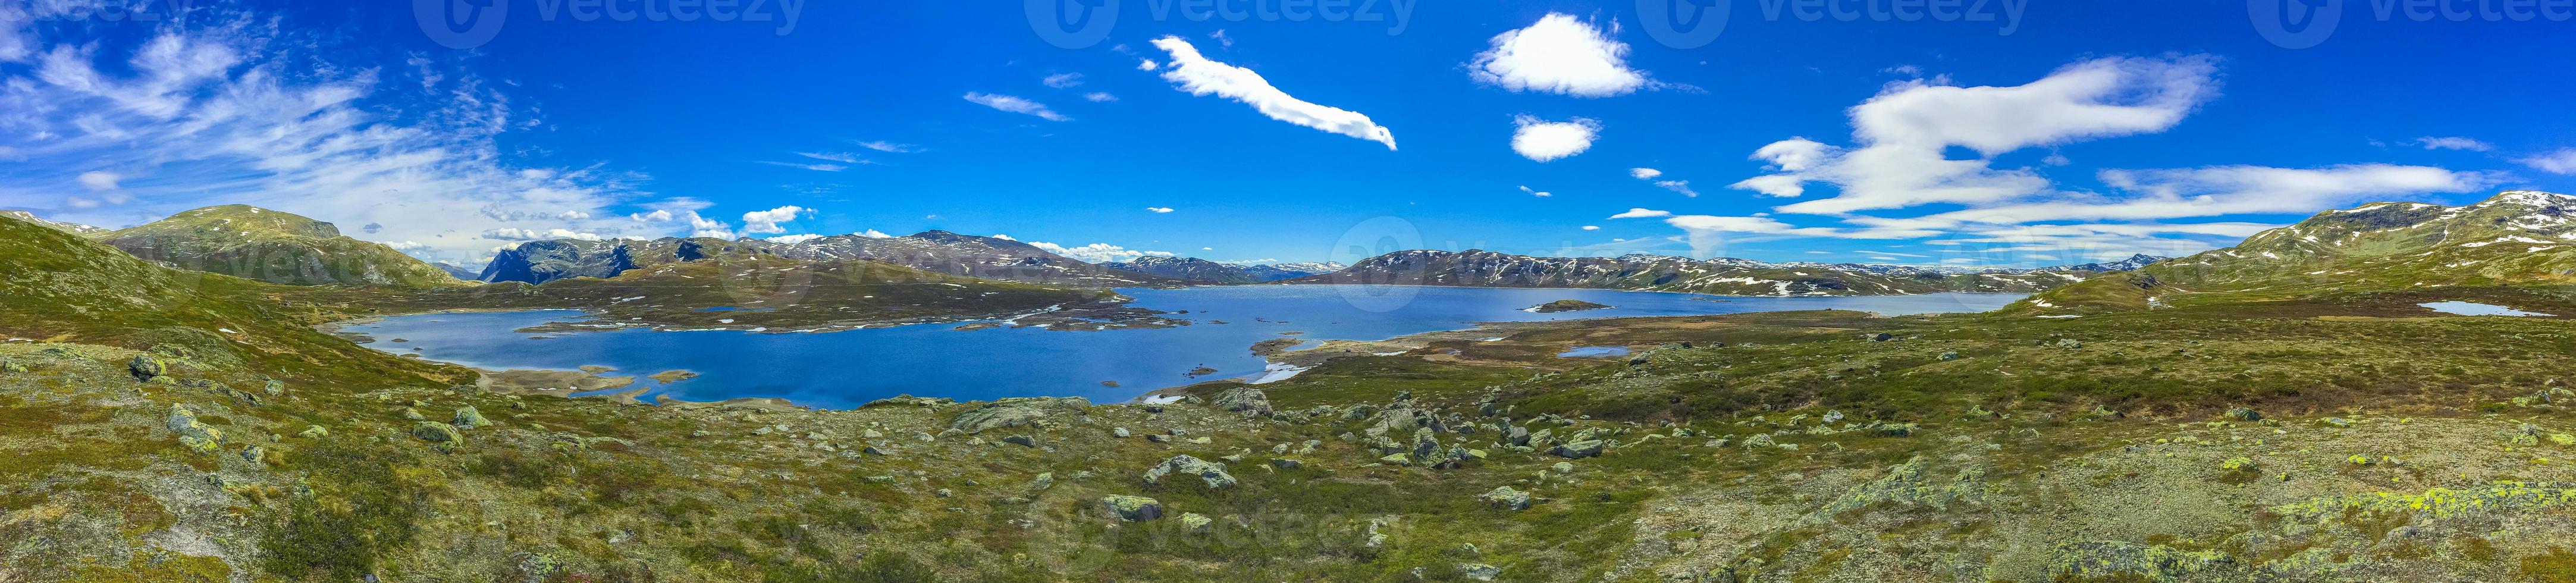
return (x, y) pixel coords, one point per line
(1722, 276)
(1201, 270)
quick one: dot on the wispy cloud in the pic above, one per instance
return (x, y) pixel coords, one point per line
(1016, 105)
(1063, 80)
(2453, 143)
(1199, 76)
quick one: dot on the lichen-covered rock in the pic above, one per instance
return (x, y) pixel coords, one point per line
(315, 432)
(468, 418)
(274, 388)
(1009, 413)
(147, 366)
(12, 366)
(1243, 399)
(1506, 497)
(195, 435)
(1286, 463)
(2098, 560)
(411, 414)
(909, 401)
(1132, 508)
(1195, 521)
(2244, 414)
(1579, 449)
(442, 435)
(1908, 484)
(1211, 472)
(1479, 571)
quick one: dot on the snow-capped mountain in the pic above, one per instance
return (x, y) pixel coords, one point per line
(1727, 276)
(933, 251)
(73, 228)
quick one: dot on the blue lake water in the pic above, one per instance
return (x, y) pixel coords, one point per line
(2474, 309)
(845, 369)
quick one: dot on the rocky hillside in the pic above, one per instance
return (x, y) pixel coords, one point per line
(968, 255)
(2517, 238)
(1201, 270)
(271, 246)
(713, 283)
(1724, 276)
(539, 262)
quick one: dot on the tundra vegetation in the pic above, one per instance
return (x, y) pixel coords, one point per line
(166, 425)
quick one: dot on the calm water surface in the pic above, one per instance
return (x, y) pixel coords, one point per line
(845, 369)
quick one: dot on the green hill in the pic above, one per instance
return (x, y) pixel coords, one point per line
(2518, 238)
(272, 246)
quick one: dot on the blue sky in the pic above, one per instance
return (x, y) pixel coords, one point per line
(2040, 134)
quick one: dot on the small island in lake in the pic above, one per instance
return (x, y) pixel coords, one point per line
(1565, 306)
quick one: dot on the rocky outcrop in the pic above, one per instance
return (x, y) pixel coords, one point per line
(1009, 413)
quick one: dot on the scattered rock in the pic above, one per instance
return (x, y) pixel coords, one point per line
(468, 418)
(147, 366)
(1579, 449)
(1009, 413)
(1243, 399)
(443, 436)
(1505, 496)
(1195, 521)
(1479, 571)
(1210, 472)
(1132, 508)
(1022, 440)
(196, 436)
(2244, 414)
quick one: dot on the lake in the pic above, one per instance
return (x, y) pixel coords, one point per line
(846, 369)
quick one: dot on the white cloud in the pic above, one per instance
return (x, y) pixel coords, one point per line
(841, 157)
(1148, 65)
(2231, 190)
(2562, 161)
(1098, 252)
(1547, 141)
(658, 216)
(1559, 54)
(2453, 143)
(228, 106)
(813, 167)
(874, 234)
(891, 147)
(1063, 80)
(1680, 186)
(517, 234)
(705, 227)
(1536, 193)
(99, 180)
(1100, 97)
(767, 221)
(1644, 173)
(1638, 213)
(1905, 130)
(1159, 209)
(1200, 76)
(793, 239)
(1591, 227)
(1016, 105)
